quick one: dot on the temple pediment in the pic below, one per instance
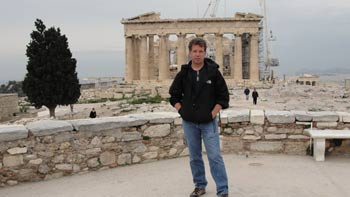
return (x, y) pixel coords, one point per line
(145, 16)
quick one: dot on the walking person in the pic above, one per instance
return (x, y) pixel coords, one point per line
(255, 96)
(246, 92)
(198, 93)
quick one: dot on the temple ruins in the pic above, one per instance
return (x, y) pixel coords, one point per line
(151, 52)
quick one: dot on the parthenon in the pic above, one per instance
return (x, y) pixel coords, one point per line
(150, 53)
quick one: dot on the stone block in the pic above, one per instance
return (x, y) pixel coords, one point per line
(131, 136)
(36, 161)
(296, 148)
(12, 132)
(237, 115)
(344, 117)
(17, 150)
(157, 130)
(298, 137)
(93, 162)
(267, 146)
(13, 161)
(48, 127)
(279, 117)
(107, 158)
(251, 137)
(136, 159)
(275, 136)
(302, 116)
(64, 167)
(257, 117)
(124, 159)
(324, 116)
(150, 155)
(172, 152)
(325, 125)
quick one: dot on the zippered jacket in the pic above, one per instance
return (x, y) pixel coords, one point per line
(196, 106)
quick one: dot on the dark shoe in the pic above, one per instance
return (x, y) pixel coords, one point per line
(222, 195)
(197, 192)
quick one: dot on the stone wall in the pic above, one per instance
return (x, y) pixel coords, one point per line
(8, 105)
(52, 148)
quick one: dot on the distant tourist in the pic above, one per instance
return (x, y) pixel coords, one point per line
(255, 96)
(246, 92)
(93, 113)
(198, 93)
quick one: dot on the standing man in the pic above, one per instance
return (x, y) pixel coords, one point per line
(198, 93)
(255, 96)
(246, 92)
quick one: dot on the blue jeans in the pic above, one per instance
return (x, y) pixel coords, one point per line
(194, 132)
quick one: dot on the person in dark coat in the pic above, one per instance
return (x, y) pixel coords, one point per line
(198, 93)
(246, 92)
(255, 96)
(93, 113)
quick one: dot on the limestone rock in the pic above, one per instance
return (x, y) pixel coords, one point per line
(230, 116)
(302, 116)
(257, 117)
(107, 158)
(17, 150)
(124, 159)
(150, 155)
(267, 146)
(324, 116)
(36, 161)
(279, 117)
(48, 127)
(12, 132)
(157, 130)
(131, 136)
(12, 161)
(275, 136)
(93, 162)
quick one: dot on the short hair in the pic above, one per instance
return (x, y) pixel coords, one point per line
(197, 41)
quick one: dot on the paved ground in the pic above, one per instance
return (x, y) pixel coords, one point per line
(256, 176)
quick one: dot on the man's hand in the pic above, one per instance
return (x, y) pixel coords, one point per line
(177, 106)
(216, 110)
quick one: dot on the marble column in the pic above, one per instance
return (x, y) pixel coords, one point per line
(237, 72)
(151, 57)
(181, 51)
(164, 72)
(254, 58)
(136, 44)
(129, 55)
(144, 71)
(219, 58)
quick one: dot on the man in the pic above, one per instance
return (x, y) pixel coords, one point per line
(93, 113)
(198, 93)
(255, 96)
(246, 92)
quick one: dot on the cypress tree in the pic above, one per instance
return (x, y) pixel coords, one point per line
(51, 79)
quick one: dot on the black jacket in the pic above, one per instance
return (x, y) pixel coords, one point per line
(212, 90)
(255, 94)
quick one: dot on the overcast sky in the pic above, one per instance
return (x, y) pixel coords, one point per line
(310, 33)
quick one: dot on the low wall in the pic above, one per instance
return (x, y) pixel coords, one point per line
(51, 148)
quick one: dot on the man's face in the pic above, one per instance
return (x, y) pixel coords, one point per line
(197, 54)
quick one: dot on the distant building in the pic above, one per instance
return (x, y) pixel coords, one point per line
(101, 82)
(307, 79)
(8, 106)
